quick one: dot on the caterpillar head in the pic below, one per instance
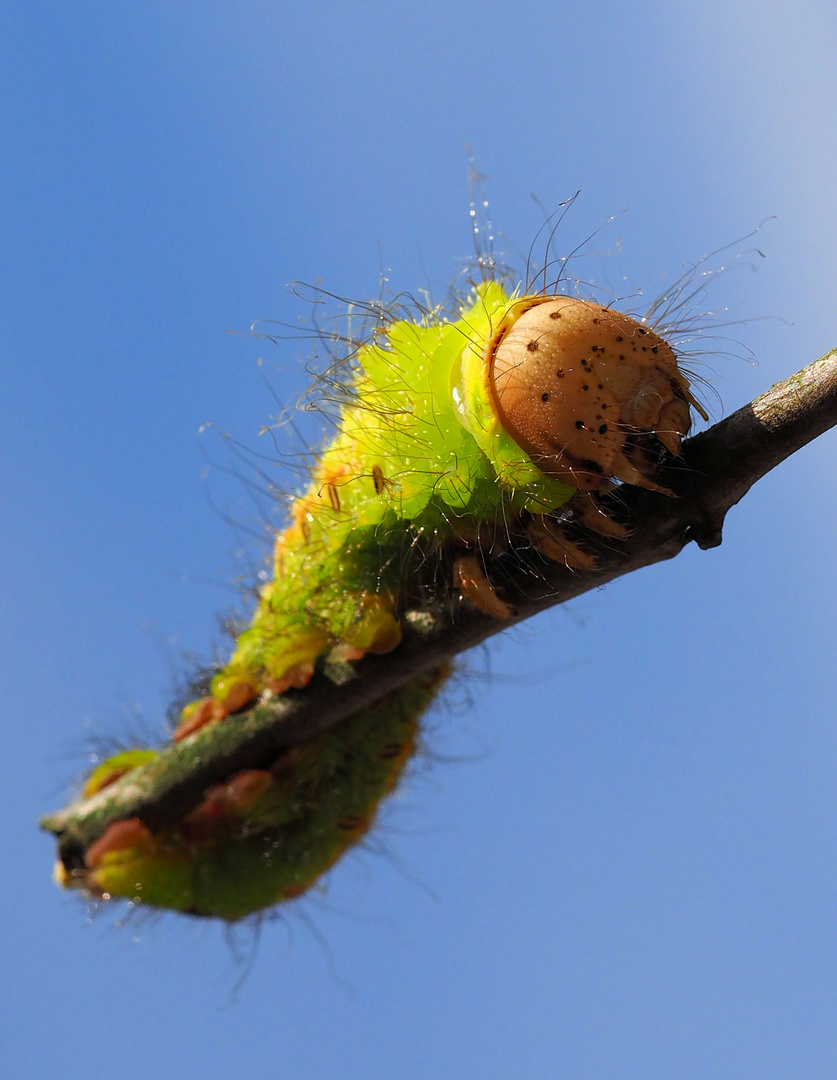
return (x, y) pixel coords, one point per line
(586, 391)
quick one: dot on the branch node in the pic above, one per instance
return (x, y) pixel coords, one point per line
(706, 535)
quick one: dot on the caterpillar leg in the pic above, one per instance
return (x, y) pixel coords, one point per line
(588, 512)
(548, 538)
(469, 577)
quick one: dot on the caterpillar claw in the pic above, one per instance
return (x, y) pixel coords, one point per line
(548, 538)
(588, 512)
(624, 470)
(691, 400)
(670, 440)
(469, 577)
(673, 424)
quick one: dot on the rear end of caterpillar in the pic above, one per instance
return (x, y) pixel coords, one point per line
(265, 835)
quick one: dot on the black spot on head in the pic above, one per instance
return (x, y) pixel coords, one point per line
(580, 425)
(602, 429)
(621, 356)
(559, 374)
(585, 387)
(532, 346)
(642, 330)
(655, 348)
(544, 397)
(555, 314)
(620, 339)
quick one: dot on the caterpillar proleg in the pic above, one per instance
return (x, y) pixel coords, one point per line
(490, 430)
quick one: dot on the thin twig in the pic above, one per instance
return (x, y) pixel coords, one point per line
(716, 470)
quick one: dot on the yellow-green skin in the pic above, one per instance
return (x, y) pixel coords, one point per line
(322, 799)
(420, 460)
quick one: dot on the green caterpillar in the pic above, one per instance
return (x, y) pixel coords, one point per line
(460, 438)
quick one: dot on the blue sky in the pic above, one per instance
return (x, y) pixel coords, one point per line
(618, 858)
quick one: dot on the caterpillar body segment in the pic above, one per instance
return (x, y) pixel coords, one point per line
(266, 835)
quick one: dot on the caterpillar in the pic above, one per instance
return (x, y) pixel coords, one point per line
(462, 438)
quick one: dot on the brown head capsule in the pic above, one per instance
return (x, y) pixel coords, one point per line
(581, 388)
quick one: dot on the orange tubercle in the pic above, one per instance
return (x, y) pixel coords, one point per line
(376, 630)
(225, 801)
(295, 678)
(127, 834)
(196, 715)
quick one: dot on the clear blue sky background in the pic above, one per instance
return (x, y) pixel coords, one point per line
(627, 868)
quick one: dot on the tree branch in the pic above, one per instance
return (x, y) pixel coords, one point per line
(716, 470)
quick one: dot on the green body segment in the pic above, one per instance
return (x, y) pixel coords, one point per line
(317, 800)
(420, 461)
